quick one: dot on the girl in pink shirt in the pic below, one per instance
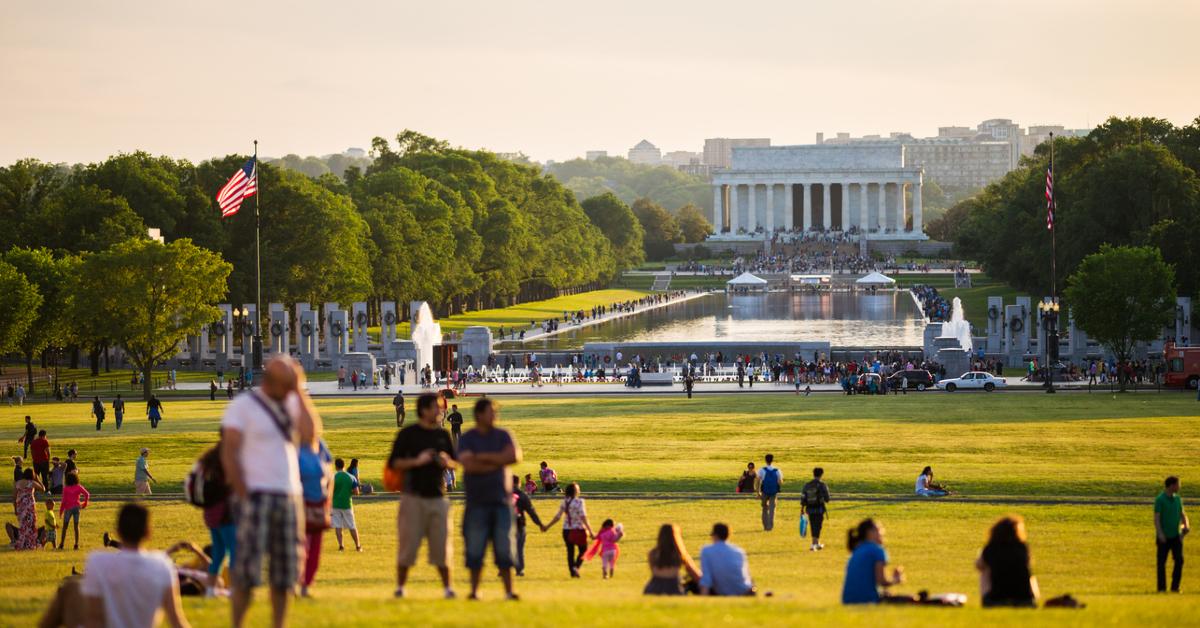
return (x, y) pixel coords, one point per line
(74, 498)
(606, 546)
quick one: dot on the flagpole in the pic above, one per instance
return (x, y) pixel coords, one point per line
(257, 360)
(1053, 206)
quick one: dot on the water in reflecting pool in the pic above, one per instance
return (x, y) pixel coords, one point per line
(886, 319)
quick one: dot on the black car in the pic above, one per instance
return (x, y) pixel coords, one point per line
(917, 379)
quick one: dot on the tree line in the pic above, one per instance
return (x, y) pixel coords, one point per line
(1132, 182)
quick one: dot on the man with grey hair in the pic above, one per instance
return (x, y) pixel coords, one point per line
(262, 430)
(141, 473)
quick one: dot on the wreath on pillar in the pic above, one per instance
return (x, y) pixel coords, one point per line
(306, 329)
(360, 320)
(337, 329)
(993, 312)
(218, 328)
(1016, 325)
(389, 318)
(277, 329)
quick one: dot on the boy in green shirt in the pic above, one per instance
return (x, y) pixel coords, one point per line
(342, 514)
(1170, 526)
(51, 524)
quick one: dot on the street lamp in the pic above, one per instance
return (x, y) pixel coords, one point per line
(242, 322)
(1049, 309)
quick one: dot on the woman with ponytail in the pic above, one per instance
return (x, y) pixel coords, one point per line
(866, 571)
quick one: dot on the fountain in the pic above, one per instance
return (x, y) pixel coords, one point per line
(426, 333)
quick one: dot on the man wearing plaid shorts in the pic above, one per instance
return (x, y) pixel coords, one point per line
(261, 430)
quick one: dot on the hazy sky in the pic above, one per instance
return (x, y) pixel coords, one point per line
(80, 80)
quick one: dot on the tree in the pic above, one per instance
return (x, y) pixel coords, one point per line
(51, 326)
(692, 224)
(149, 296)
(661, 230)
(664, 185)
(1121, 296)
(616, 221)
(18, 308)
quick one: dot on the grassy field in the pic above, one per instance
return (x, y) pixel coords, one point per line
(1096, 447)
(520, 315)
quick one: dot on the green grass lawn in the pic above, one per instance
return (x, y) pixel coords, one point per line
(1098, 447)
(520, 315)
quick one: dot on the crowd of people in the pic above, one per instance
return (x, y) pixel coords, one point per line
(594, 313)
(271, 487)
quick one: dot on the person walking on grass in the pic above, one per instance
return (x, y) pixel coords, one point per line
(345, 486)
(767, 485)
(154, 411)
(74, 499)
(485, 453)
(1170, 526)
(31, 432)
(260, 435)
(422, 452)
(813, 499)
(118, 406)
(455, 419)
(576, 530)
(141, 473)
(522, 507)
(398, 402)
(316, 480)
(98, 411)
(131, 586)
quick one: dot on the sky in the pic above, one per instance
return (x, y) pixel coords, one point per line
(81, 80)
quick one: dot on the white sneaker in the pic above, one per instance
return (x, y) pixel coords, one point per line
(812, 548)
(820, 546)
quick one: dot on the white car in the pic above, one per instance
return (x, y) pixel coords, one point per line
(973, 380)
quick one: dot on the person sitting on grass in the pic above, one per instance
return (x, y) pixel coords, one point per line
(668, 557)
(549, 478)
(723, 566)
(746, 482)
(926, 486)
(1005, 577)
(866, 571)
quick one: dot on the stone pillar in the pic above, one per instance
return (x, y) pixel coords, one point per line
(881, 219)
(387, 326)
(788, 206)
(807, 207)
(770, 226)
(279, 339)
(718, 218)
(901, 208)
(308, 337)
(733, 209)
(918, 225)
(826, 209)
(863, 211)
(360, 321)
(752, 210)
(845, 207)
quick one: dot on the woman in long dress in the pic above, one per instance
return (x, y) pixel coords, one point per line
(26, 533)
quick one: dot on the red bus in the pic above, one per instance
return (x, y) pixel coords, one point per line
(1183, 366)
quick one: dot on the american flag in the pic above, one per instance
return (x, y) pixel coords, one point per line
(1050, 198)
(241, 186)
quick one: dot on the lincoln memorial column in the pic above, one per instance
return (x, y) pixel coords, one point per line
(918, 189)
(752, 220)
(845, 206)
(718, 218)
(826, 209)
(733, 209)
(881, 219)
(770, 209)
(901, 219)
(789, 190)
(863, 211)
(807, 207)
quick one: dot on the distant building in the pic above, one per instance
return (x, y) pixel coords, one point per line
(355, 152)
(678, 158)
(593, 155)
(645, 153)
(697, 169)
(718, 151)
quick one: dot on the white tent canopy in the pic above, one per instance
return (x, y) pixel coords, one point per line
(746, 280)
(876, 279)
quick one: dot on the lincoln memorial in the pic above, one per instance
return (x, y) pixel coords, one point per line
(858, 189)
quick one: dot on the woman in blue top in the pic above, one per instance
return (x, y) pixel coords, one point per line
(866, 571)
(316, 478)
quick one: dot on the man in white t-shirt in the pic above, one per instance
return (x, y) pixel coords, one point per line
(261, 431)
(130, 586)
(768, 482)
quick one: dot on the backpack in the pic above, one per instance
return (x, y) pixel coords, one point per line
(204, 486)
(770, 481)
(812, 494)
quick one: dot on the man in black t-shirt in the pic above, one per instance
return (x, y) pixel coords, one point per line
(455, 419)
(423, 452)
(813, 499)
(398, 401)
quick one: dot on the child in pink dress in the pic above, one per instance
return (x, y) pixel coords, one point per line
(606, 546)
